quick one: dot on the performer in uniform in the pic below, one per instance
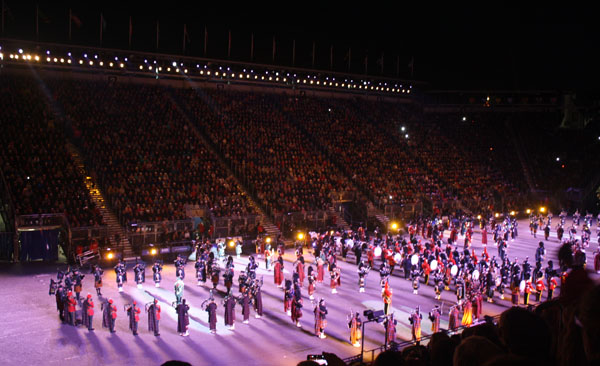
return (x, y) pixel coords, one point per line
(200, 267)
(528, 290)
(77, 277)
(183, 320)
(157, 273)
(335, 278)
(415, 321)
(355, 329)
(179, 287)
(278, 275)
(434, 316)
(296, 309)
(539, 288)
(98, 279)
(109, 315)
(120, 273)
(320, 319)
(362, 270)
(245, 302)
(134, 316)
(88, 312)
(228, 279)
(229, 304)
(453, 322)
(257, 297)
(288, 297)
(320, 269)
(71, 303)
(386, 295)
(390, 328)
(312, 281)
(153, 310)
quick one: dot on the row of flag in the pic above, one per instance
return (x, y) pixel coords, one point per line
(75, 20)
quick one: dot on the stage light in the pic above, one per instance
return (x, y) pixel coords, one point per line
(512, 213)
(69, 61)
(464, 119)
(557, 159)
(542, 209)
(174, 64)
(394, 226)
(122, 65)
(55, 59)
(208, 73)
(101, 63)
(47, 58)
(185, 71)
(406, 136)
(141, 67)
(231, 243)
(69, 54)
(81, 62)
(85, 55)
(268, 240)
(496, 215)
(528, 211)
(153, 251)
(478, 217)
(110, 64)
(176, 70)
(109, 256)
(403, 128)
(331, 232)
(20, 50)
(300, 236)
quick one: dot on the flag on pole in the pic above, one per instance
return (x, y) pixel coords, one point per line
(157, 33)
(102, 26)
(380, 62)
(348, 57)
(205, 40)
(130, 30)
(229, 46)
(252, 47)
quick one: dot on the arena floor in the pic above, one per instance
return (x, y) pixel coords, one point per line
(32, 333)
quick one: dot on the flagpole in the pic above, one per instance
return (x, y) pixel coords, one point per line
(229, 46)
(37, 27)
(349, 57)
(130, 31)
(157, 34)
(252, 47)
(205, 39)
(101, 21)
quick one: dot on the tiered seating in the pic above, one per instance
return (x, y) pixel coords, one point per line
(287, 171)
(37, 166)
(147, 159)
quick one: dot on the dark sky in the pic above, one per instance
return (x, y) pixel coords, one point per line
(453, 47)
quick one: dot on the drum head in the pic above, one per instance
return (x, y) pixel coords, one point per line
(522, 286)
(433, 265)
(475, 275)
(377, 251)
(454, 270)
(414, 259)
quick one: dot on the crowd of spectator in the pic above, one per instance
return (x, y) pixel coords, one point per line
(293, 153)
(37, 166)
(148, 161)
(282, 165)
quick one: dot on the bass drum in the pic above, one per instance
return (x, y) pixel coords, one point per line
(522, 286)
(454, 270)
(475, 275)
(414, 260)
(433, 265)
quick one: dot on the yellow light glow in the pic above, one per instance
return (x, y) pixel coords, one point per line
(512, 213)
(268, 240)
(153, 251)
(300, 236)
(91, 63)
(331, 232)
(528, 211)
(101, 63)
(542, 209)
(110, 64)
(478, 217)
(109, 256)
(231, 243)
(395, 226)
(496, 215)
(69, 61)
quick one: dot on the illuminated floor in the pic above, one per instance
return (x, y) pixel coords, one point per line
(32, 333)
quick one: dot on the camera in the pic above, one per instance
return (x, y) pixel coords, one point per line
(320, 359)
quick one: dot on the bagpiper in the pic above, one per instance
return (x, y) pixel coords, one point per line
(363, 271)
(386, 296)
(153, 310)
(355, 324)
(98, 272)
(157, 273)
(320, 319)
(133, 312)
(415, 321)
(434, 317)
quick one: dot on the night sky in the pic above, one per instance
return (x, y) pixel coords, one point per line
(454, 47)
